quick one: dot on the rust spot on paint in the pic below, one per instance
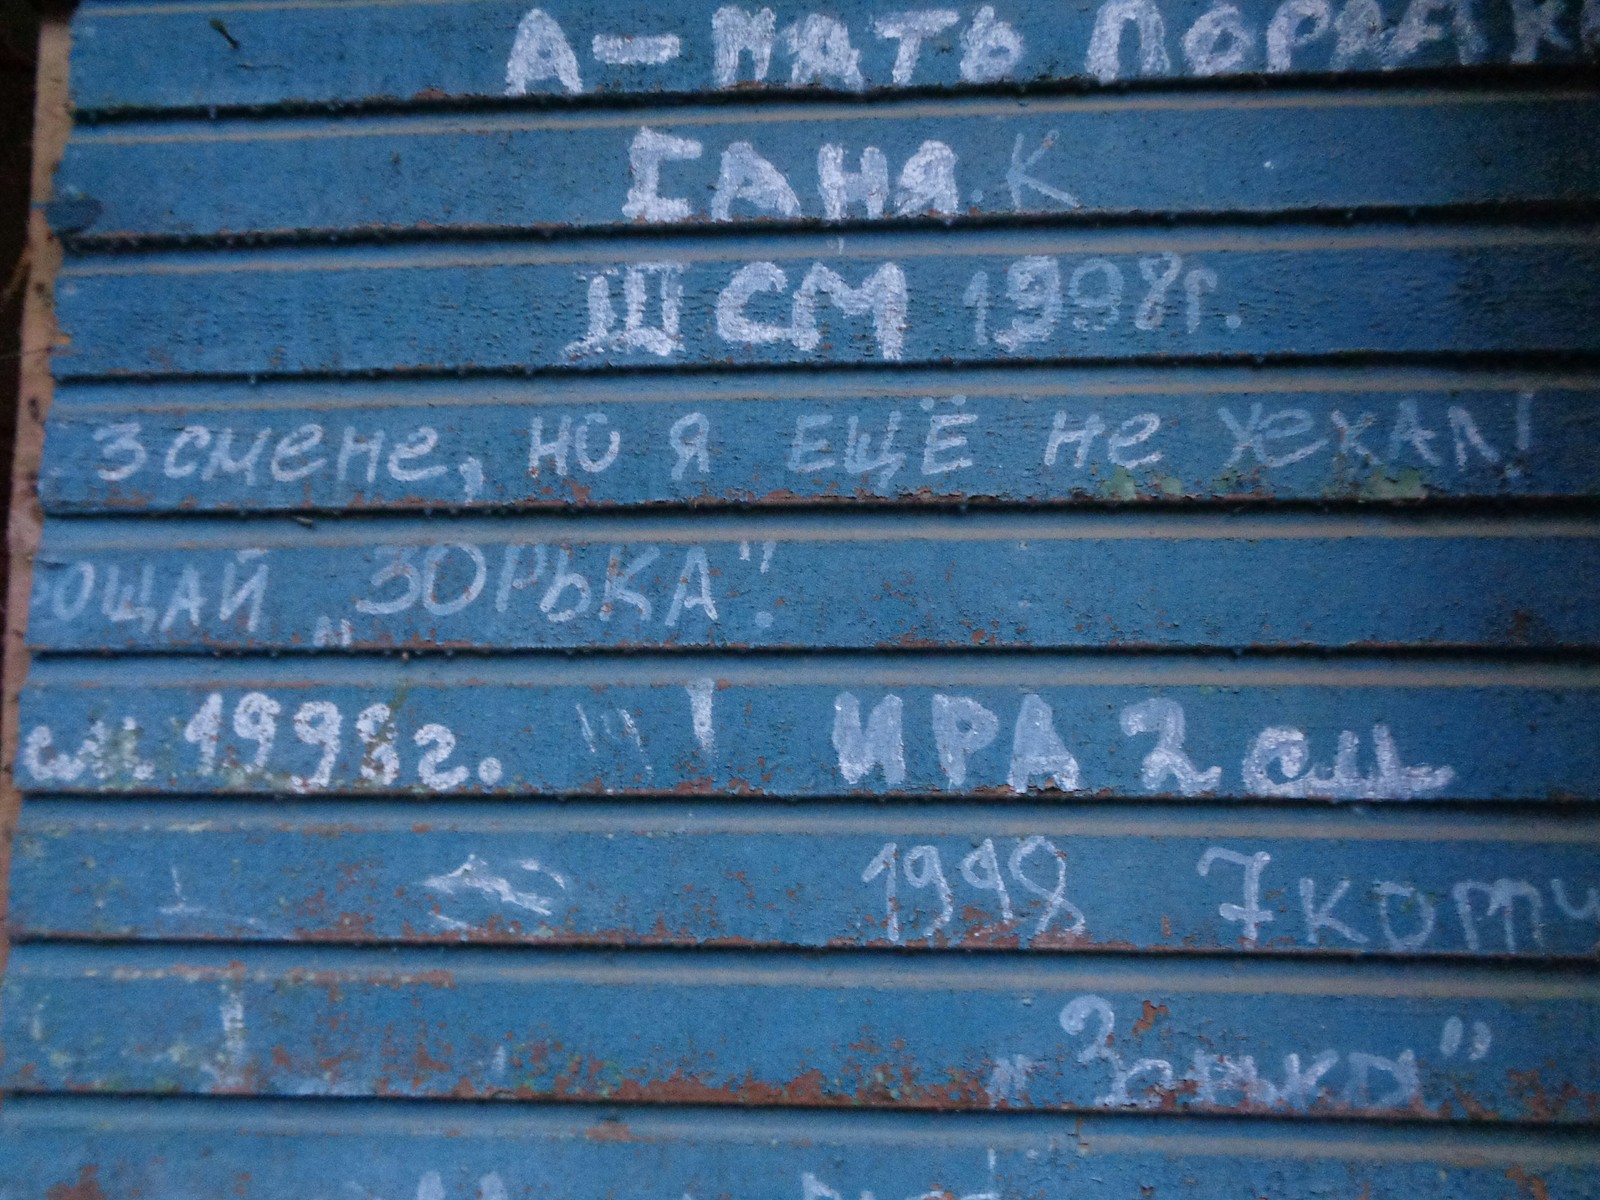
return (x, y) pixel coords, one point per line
(808, 1088)
(426, 1063)
(1546, 1105)
(1531, 1185)
(703, 785)
(1152, 1012)
(609, 1131)
(87, 1187)
(1521, 626)
(1474, 1107)
(1065, 939)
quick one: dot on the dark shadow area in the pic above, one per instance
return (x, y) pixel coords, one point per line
(19, 41)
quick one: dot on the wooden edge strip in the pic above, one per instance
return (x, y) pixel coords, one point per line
(52, 124)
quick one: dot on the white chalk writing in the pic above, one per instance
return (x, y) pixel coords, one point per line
(921, 868)
(955, 442)
(1277, 763)
(1124, 39)
(1355, 1080)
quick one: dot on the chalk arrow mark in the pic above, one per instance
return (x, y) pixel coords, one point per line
(475, 875)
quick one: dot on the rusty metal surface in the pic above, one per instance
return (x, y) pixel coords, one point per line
(600, 606)
(351, 1148)
(746, 874)
(739, 1029)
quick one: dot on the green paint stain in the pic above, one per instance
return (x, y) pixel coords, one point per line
(1405, 485)
(1120, 486)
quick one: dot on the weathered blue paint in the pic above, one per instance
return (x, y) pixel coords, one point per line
(739, 1029)
(785, 440)
(1283, 817)
(260, 1150)
(932, 876)
(524, 306)
(818, 727)
(176, 55)
(1033, 580)
(1163, 154)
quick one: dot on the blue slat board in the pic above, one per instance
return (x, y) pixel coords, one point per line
(714, 601)
(1019, 437)
(738, 1028)
(367, 1149)
(134, 55)
(824, 726)
(851, 299)
(935, 876)
(1077, 155)
(901, 582)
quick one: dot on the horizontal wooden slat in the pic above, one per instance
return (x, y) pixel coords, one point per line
(742, 1029)
(933, 877)
(1061, 435)
(894, 583)
(1033, 295)
(814, 726)
(197, 1150)
(1168, 154)
(948, 581)
(199, 55)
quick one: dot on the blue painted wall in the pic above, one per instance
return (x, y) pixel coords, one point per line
(620, 580)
